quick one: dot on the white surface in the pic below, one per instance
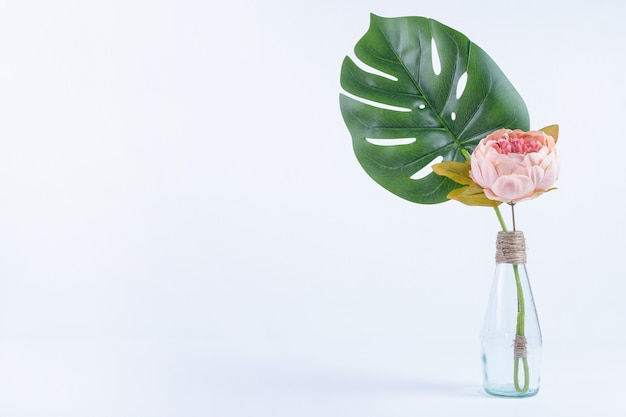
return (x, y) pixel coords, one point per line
(184, 230)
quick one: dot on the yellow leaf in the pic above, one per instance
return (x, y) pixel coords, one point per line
(472, 195)
(456, 171)
(552, 130)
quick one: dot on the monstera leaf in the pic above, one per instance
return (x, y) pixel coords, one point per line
(422, 93)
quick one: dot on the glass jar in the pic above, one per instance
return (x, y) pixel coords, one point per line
(511, 336)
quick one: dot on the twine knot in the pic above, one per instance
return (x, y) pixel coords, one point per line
(519, 347)
(511, 248)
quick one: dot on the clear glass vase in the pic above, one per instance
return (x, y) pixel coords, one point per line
(511, 336)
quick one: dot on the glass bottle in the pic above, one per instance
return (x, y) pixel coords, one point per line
(511, 336)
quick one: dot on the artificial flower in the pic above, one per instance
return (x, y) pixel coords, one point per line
(513, 165)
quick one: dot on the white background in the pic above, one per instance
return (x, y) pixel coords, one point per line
(185, 231)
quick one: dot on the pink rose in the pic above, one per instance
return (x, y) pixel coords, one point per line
(513, 166)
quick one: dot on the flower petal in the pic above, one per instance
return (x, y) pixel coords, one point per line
(550, 176)
(483, 172)
(513, 188)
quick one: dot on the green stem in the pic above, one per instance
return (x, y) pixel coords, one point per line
(524, 389)
(521, 315)
(500, 218)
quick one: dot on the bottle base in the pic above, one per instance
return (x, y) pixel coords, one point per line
(509, 391)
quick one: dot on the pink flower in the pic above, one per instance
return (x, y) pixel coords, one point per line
(513, 166)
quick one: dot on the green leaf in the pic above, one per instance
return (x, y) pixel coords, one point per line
(402, 110)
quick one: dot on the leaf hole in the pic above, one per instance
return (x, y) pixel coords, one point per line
(453, 116)
(371, 69)
(390, 142)
(422, 106)
(435, 56)
(460, 87)
(427, 169)
(376, 104)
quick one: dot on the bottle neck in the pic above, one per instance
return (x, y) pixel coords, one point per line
(511, 248)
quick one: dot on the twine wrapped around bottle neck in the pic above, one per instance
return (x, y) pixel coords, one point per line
(511, 248)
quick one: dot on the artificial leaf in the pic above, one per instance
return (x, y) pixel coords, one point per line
(456, 171)
(538, 193)
(552, 130)
(472, 195)
(417, 91)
